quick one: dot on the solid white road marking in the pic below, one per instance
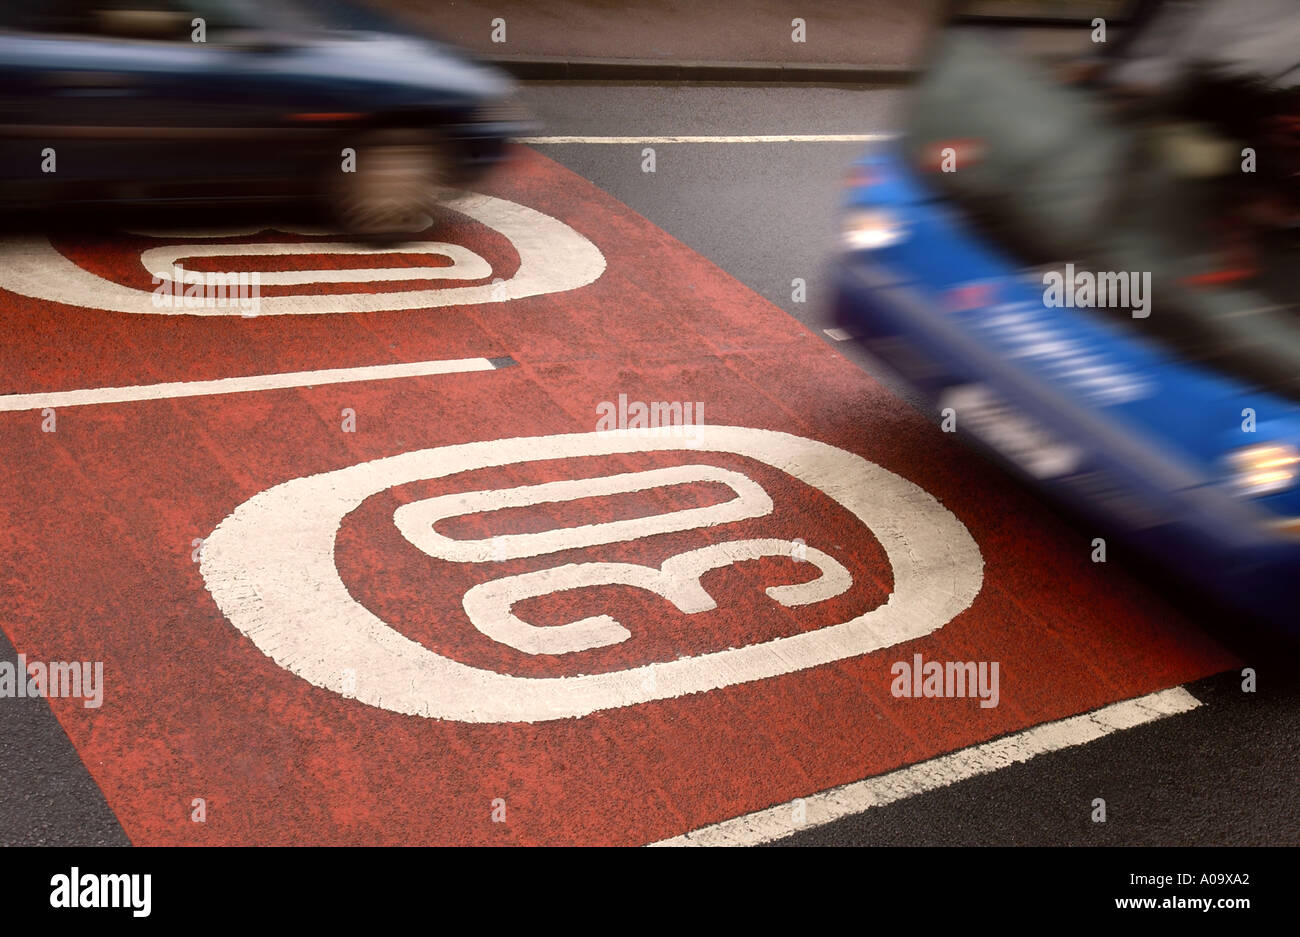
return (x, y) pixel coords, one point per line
(749, 138)
(489, 604)
(465, 264)
(239, 385)
(270, 568)
(837, 803)
(838, 335)
(553, 258)
(417, 519)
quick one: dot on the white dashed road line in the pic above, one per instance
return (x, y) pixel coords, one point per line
(239, 385)
(837, 803)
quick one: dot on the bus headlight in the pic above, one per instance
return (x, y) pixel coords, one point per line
(870, 229)
(1263, 469)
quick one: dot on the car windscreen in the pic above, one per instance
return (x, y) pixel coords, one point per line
(1193, 178)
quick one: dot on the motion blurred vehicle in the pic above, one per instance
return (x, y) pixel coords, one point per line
(1171, 413)
(157, 101)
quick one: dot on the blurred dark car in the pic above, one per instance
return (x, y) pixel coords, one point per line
(194, 100)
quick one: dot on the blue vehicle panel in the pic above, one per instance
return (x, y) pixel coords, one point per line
(1101, 418)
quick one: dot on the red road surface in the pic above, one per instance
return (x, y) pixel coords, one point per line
(98, 519)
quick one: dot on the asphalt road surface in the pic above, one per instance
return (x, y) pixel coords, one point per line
(409, 621)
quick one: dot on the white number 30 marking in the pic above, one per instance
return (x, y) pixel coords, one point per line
(270, 567)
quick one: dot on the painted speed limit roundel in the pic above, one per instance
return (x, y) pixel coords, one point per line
(553, 258)
(271, 568)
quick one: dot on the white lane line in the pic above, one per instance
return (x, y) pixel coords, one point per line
(837, 803)
(761, 138)
(239, 385)
(838, 335)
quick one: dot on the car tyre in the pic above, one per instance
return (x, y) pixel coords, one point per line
(398, 183)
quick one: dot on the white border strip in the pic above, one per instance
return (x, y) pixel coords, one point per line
(837, 803)
(768, 138)
(239, 385)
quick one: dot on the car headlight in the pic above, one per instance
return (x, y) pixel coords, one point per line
(871, 229)
(1263, 469)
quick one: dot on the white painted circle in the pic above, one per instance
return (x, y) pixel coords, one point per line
(553, 258)
(270, 568)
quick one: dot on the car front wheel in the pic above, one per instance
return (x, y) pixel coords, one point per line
(396, 183)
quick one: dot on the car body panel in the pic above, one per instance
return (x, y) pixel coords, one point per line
(146, 118)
